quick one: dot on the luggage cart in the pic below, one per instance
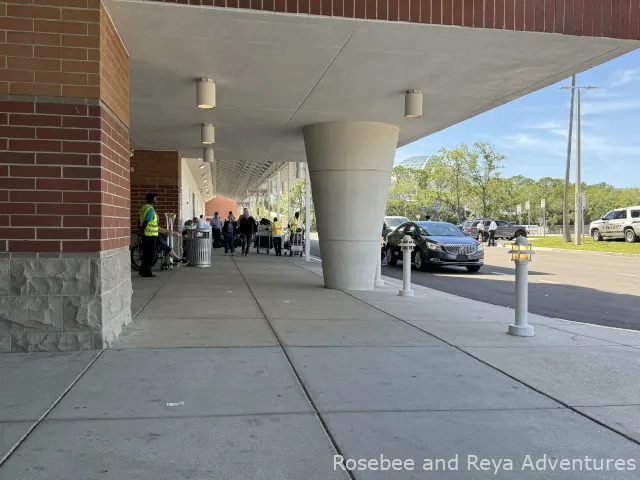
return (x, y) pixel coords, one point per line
(263, 238)
(296, 243)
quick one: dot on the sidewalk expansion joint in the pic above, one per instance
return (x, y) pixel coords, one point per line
(154, 293)
(503, 372)
(42, 417)
(316, 410)
(512, 377)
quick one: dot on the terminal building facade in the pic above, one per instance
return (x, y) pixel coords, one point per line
(331, 83)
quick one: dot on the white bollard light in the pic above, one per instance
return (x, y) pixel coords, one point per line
(378, 282)
(407, 245)
(521, 255)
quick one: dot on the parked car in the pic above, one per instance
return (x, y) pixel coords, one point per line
(389, 224)
(618, 223)
(505, 229)
(466, 224)
(437, 243)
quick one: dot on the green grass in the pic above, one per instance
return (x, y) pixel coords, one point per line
(613, 246)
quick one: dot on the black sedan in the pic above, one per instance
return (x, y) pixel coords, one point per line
(437, 244)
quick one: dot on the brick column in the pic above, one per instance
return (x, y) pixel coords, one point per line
(65, 279)
(157, 172)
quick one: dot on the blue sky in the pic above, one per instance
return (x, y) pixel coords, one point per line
(532, 131)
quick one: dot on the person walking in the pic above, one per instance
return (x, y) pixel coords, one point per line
(481, 231)
(492, 233)
(216, 228)
(295, 223)
(230, 231)
(246, 228)
(276, 233)
(148, 223)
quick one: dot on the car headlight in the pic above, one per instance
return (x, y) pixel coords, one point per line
(480, 248)
(434, 246)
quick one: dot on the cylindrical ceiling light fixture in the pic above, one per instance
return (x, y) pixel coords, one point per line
(205, 93)
(413, 104)
(208, 155)
(207, 134)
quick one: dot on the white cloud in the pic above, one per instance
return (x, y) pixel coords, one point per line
(535, 142)
(623, 77)
(556, 144)
(547, 125)
(599, 108)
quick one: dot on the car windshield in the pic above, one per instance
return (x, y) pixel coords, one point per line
(440, 230)
(394, 222)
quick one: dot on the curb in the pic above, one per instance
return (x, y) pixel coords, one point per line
(588, 252)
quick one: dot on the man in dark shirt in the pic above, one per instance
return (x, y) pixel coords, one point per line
(247, 228)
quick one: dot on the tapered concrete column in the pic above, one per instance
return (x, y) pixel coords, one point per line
(350, 165)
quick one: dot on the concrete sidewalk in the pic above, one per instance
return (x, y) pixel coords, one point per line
(252, 370)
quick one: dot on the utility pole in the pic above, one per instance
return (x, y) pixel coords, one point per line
(566, 234)
(579, 209)
(278, 189)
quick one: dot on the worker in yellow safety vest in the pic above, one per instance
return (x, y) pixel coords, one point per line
(149, 234)
(295, 223)
(276, 233)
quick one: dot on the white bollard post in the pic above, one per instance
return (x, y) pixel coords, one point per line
(407, 245)
(521, 255)
(378, 281)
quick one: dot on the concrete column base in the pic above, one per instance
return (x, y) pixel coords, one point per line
(71, 302)
(521, 330)
(350, 167)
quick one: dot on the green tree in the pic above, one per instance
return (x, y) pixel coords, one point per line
(484, 168)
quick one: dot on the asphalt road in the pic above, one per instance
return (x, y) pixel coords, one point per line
(582, 287)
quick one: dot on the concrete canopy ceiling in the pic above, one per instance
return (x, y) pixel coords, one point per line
(276, 73)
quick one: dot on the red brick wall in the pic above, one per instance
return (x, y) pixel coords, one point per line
(114, 69)
(221, 205)
(51, 49)
(115, 179)
(63, 179)
(156, 172)
(597, 18)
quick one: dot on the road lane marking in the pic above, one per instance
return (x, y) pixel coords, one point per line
(500, 273)
(548, 281)
(628, 275)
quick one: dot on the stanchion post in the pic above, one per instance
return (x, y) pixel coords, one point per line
(407, 245)
(170, 217)
(521, 254)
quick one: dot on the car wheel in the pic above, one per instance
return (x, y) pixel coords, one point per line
(390, 260)
(630, 236)
(485, 237)
(382, 254)
(419, 260)
(521, 233)
(595, 234)
(474, 268)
